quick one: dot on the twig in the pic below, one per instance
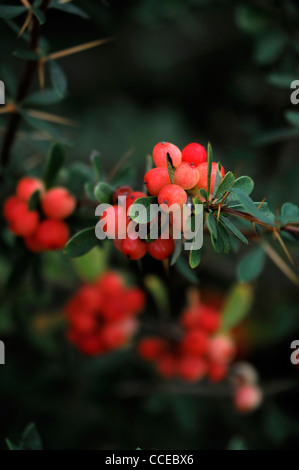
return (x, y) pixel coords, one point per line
(23, 88)
(274, 256)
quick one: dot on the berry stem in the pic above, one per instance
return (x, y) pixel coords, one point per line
(23, 88)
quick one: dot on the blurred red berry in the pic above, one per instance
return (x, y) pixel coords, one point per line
(247, 398)
(151, 348)
(221, 349)
(114, 221)
(123, 191)
(27, 186)
(52, 234)
(191, 368)
(195, 342)
(217, 371)
(58, 203)
(23, 222)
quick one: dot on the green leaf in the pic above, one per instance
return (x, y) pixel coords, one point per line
(245, 183)
(9, 79)
(91, 265)
(233, 229)
(221, 243)
(103, 192)
(43, 126)
(280, 80)
(11, 445)
(55, 162)
(34, 201)
(26, 55)
(89, 190)
(31, 439)
(146, 202)
(95, 159)
(177, 251)
(183, 268)
(58, 78)
(218, 179)
(203, 194)
(70, 8)
(289, 214)
(210, 161)
(42, 98)
(292, 117)
(249, 206)
(252, 265)
(194, 258)
(212, 224)
(270, 46)
(159, 292)
(126, 175)
(170, 168)
(81, 243)
(225, 184)
(8, 12)
(237, 443)
(278, 135)
(39, 15)
(237, 306)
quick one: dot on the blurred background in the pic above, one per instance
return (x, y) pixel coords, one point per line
(183, 71)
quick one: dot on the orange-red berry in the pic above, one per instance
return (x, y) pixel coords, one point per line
(23, 222)
(161, 249)
(203, 176)
(155, 179)
(195, 343)
(191, 368)
(27, 186)
(151, 348)
(52, 234)
(9, 206)
(194, 153)
(114, 221)
(133, 249)
(132, 197)
(172, 195)
(221, 349)
(123, 191)
(160, 154)
(58, 203)
(186, 175)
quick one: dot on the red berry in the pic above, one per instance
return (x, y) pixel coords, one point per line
(167, 365)
(90, 345)
(27, 186)
(195, 343)
(190, 317)
(110, 283)
(123, 191)
(133, 249)
(52, 234)
(58, 203)
(151, 348)
(216, 371)
(114, 221)
(155, 179)
(33, 244)
(221, 349)
(172, 194)
(133, 196)
(203, 175)
(194, 153)
(186, 175)
(161, 249)
(134, 300)
(191, 368)
(209, 319)
(9, 206)
(23, 221)
(83, 322)
(247, 398)
(113, 336)
(160, 154)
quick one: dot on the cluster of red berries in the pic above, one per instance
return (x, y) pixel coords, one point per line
(190, 171)
(133, 248)
(102, 315)
(45, 230)
(201, 351)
